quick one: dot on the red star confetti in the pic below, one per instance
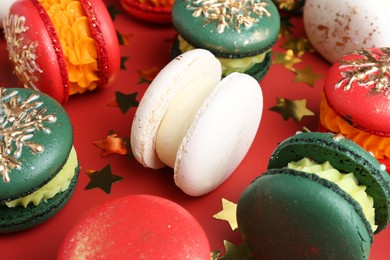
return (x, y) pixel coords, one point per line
(102, 179)
(112, 144)
(292, 108)
(228, 213)
(147, 75)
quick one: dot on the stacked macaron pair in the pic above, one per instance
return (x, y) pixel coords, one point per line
(356, 100)
(240, 33)
(38, 165)
(322, 197)
(62, 47)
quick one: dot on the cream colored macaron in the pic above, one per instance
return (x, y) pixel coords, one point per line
(335, 28)
(194, 122)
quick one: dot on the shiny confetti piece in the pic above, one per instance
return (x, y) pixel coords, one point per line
(235, 252)
(124, 39)
(287, 59)
(298, 45)
(285, 26)
(215, 254)
(147, 75)
(292, 108)
(123, 63)
(306, 75)
(228, 213)
(102, 179)
(112, 144)
(124, 101)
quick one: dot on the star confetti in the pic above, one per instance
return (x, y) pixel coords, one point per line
(228, 213)
(285, 26)
(113, 11)
(102, 179)
(124, 39)
(298, 45)
(287, 59)
(292, 108)
(123, 62)
(147, 75)
(124, 101)
(112, 144)
(306, 75)
(236, 251)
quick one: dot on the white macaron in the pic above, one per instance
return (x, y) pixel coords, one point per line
(4, 9)
(335, 28)
(194, 122)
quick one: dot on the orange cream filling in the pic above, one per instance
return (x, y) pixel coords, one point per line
(379, 146)
(78, 45)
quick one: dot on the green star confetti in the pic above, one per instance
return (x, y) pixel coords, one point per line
(102, 179)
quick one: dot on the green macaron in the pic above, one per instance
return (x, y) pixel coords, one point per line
(38, 165)
(322, 197)
(239, 33)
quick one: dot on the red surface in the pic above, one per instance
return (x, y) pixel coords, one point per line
(93, 118)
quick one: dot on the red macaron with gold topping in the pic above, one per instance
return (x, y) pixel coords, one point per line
(356, 100)
(136, 227)
(155, 11)
(62, 47)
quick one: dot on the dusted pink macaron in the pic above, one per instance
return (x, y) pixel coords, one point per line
(356, 101)
(62, 47)
(155, 11)
(136, 227)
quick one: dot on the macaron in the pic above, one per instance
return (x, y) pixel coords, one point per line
(62, 47)
(356, 101)
(39, 165)
(154, 11)
(136, 227)
(194, 122)
(4, 9)
(335, 28)
(239, 33)
(322, 197)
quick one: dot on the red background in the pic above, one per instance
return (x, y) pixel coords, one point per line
(93, 118)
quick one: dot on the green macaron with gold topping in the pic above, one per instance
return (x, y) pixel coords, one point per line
(240, 33)
(38, 163)
(322, 197)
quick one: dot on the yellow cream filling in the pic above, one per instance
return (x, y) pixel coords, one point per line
(78, 45)
(378, 145)
(228, 65)
(56, 185)
(346, 181)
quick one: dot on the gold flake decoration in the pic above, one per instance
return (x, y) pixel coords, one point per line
(229, 13)
(371, 69)
(21, 55)
(19, 120)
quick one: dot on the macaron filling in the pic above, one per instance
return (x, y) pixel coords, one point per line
(378, 145)
(346, 181)
(79, 48)
(229, 65)
(56, 185)
(179, 117)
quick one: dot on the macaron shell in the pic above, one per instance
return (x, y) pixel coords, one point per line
(220, 135)
(36, 169)
(337, 27)
(171, 79)
(43, 48)
(202, 33)
(147, 13)
(106, 40)
(287, 214)
(20, 218)
(136, 227)
(344, 155)
(363, 105)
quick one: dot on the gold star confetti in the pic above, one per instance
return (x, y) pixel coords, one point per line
(228, 213)
(306, 75)
(236, 251)
(112, 144)
(292, 108)
(287, 59)
(298, 45)
(215, 254)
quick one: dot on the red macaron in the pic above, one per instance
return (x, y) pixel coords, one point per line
(62, 48)
(356, 100)
(154, 11)
(136, 227)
